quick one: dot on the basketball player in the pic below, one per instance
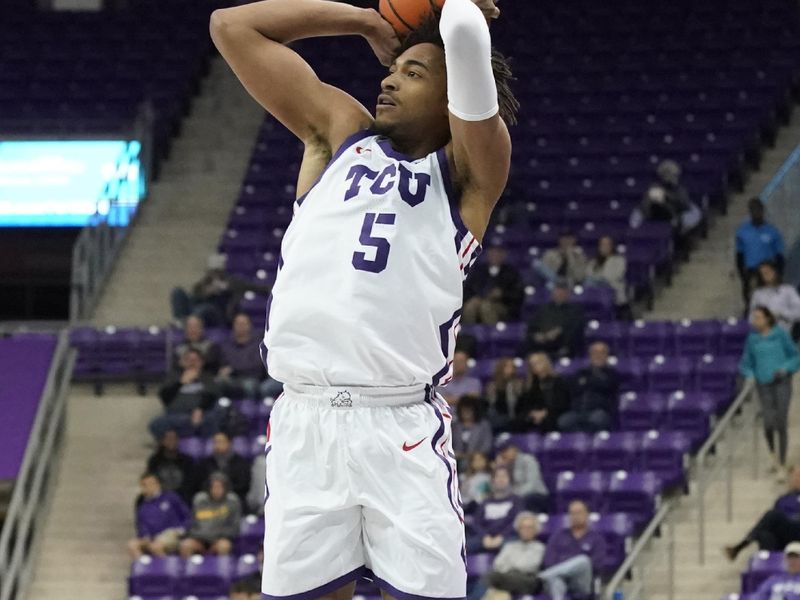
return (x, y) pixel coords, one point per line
(363, 316)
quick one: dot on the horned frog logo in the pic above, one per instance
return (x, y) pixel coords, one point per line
(342, 400)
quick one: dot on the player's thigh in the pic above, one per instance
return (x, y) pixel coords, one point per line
(413, 523)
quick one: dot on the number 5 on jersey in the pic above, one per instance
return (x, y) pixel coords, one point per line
(367, 239)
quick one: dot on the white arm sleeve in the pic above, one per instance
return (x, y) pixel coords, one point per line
(471, 90)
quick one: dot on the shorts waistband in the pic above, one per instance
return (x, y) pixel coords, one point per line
(344, 396)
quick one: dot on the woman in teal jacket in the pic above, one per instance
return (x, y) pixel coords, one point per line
(770, 357)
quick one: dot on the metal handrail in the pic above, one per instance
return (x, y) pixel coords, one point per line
(704, 473)
(23, 525)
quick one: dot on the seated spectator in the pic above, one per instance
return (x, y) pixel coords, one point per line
(175, 470)
(785, 586)
(471, 430)
(476, 481)
(209, 297)
(770, 358)
(566, 263)
(493, 292)
(215, 520)
(545, 398)
(667, 200)
(161, 519)
(778, 526)
(516, 567)
(224, 460)
(189, 400)
(608, 269)
(526, 475)
(248, 588)
(557, 326)
(781, 298)
(258, 493)
(594, 395)
(756, 242)
(195, 339)
(242, 372)
(494, 518)
(503, 392)
(462, 383)
(573, 556)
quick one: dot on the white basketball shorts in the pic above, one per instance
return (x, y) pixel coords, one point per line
(362, 483)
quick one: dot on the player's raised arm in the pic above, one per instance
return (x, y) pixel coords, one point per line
(252, 40)
(481, 145)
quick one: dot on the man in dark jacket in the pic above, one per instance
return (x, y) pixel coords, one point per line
(189, 400)
(175, 469)
(557, 327)
(224, 460)
(493, 291)
(594, 397)
(161, 518)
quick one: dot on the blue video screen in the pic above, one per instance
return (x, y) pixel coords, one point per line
(69, 183)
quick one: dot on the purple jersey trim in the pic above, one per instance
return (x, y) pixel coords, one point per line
(329, 587)
(347, 143)
(434, 445)
(385, 144)
(455, 214)
(399, 595)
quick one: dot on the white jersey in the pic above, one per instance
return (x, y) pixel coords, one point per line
(369, 285)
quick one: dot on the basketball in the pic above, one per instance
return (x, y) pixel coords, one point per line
(406, 15)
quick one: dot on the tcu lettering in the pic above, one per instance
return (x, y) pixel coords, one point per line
(392, 176)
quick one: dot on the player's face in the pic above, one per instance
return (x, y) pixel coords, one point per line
(414, 95)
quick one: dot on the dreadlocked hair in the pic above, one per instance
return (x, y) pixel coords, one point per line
(428, 33)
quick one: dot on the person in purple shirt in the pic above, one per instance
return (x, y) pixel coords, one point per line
(573, 556)
(776, 527)
(785, 586)
(462, 383)
(161, 519)
(242, 372)
(494, 518)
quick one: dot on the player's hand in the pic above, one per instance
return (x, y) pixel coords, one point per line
(488, 8)
(382, 38)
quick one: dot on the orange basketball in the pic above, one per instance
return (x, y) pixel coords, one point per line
(406, 15)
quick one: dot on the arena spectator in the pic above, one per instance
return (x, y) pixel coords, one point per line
(210, 296)
(503, 392)
(215, 519)
(785, 586)
(493, 292)
(756, 242)
(573, 556)
(494, 518)
(258, 493)
(608, 268)
(526, 475)
(161, 519)
(476, 481)
(778, 526)
(248, 588)
(557, 326)
(667, 200)
(516, 567)
(781, 298)
(770, 358)
(566, 263)
(462, 384)
(470, 429)
(242, 372)
(224, 460)
(176, 470)
(594, 395)
(195, 339)
(189, 400)
(545, 398)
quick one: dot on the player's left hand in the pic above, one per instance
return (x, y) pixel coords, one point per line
(488, 8)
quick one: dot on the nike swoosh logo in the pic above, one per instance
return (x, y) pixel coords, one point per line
(408, 448)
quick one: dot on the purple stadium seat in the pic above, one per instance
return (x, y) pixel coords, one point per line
(631, 373)
(207, 575)
(155, 576)
(246, 565)
(612, 333)
(564, 452)
(641, 411)
(505, 338)
(733, 333)
(717, 375)
(587, 486)
(665, 453)
(665, 374)
(696, 338)
(526, 442)
(478, 565)
(650, 338)
(761, 566)
(634, 492)
(691, 412)
(614, 451)
(193, 446)
(251, 535)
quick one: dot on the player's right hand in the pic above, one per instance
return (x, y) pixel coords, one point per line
(382, 38)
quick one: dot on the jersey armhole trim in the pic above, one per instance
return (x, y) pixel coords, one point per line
(452, 198)
(347, 143)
